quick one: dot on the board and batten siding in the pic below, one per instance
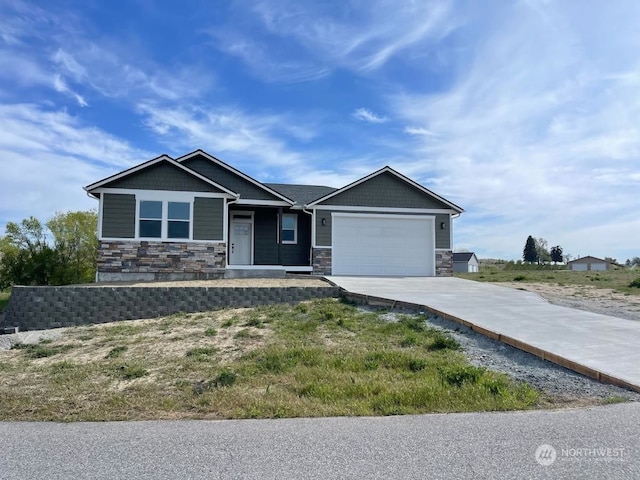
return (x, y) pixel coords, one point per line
(443, 236)
(118, 216)
(208, 219)
(385, 190)
(163, 177)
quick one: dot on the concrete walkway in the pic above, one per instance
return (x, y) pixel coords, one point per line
(602, 347)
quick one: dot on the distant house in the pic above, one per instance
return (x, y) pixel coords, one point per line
(465, 262)
(585, 264)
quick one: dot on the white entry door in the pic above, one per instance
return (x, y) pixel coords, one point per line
(241, 240)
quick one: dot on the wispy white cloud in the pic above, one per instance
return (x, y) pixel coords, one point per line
(314, 40)
(368, 116)
(60, 86)
(47, 156)
(537, 132)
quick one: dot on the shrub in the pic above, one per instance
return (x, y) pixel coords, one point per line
(635, 283)
(519, 278)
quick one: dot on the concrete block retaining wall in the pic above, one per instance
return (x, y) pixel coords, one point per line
(36, 308)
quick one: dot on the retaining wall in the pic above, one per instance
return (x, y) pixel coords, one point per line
(36, 308)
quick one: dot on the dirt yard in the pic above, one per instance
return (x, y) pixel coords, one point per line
(584, 297)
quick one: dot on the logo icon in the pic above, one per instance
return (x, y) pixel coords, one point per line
(545, 455)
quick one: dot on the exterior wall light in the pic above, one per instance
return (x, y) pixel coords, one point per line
(323, 222)
(442, 225)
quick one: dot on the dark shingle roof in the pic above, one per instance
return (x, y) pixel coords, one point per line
(302, 194)
(462, 256)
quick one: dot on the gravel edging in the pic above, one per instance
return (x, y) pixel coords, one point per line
(554, 380)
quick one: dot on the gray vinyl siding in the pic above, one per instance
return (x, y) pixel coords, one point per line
(266, 240)
(208, 219)
(265, 237)
(228, 179)
(163, 176)
(443, 237)
(323, 233)
(299, 253)
(385, 190)
(118, 216)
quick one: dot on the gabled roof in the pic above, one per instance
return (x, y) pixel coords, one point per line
(244, 176)
(155, 161)
(390, 170)
(302, 194)
(463, 256)
(589, 259)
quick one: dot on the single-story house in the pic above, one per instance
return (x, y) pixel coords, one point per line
(465, 262)
(588, 263)
(196, 217)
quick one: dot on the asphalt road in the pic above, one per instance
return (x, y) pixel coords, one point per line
(595, 443)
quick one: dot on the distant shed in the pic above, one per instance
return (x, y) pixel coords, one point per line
(465, 262)
(588, 264)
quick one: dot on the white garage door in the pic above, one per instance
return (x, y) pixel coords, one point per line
(400, 245)
(579, 267)
(598, 267)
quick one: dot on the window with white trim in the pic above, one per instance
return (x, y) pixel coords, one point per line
(289, 232)
(164, 220)
(178, 220)
(150, 223)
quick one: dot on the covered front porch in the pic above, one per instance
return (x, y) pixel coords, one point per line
(271, 240)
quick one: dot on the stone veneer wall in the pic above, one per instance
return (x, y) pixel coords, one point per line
(35, 308)
(321, 261)
(145, 260)
(444, 263)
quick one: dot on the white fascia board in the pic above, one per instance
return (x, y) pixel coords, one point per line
(382, 209)
(236, 171)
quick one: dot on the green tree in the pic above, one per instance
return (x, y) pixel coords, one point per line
(556, 254)
(542, 251)
(26, 257)
(76, 245)
(530, 254)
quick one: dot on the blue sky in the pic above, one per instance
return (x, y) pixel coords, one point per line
(525, 113)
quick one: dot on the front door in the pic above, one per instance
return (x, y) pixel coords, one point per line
(241, 239)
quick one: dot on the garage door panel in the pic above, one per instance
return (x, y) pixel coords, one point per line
(383, 245)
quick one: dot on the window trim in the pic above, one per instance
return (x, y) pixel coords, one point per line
(164, 229)
(295, 229)
(153, 219)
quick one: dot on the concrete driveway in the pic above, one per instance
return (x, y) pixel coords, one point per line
(601, 346)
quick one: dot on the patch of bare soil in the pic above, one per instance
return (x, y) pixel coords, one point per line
(237, 282)
(585, 297)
